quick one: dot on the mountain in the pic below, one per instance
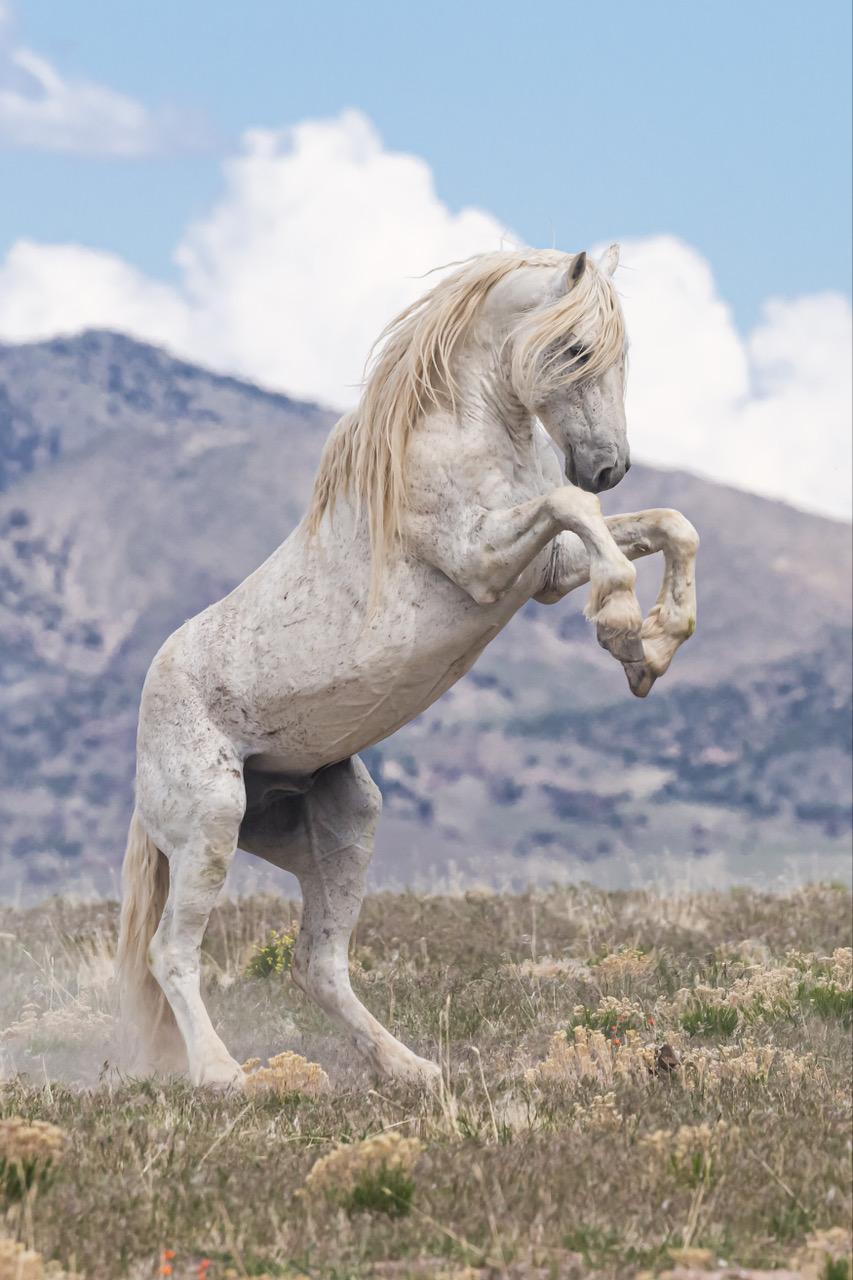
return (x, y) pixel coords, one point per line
(135, 489)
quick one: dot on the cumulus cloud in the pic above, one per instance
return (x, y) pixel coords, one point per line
(321, 234)
(769, 412)
(42, 109)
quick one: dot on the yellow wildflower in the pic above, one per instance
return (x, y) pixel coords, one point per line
(30, 1140)
(601, 1116)
(821, 1248)
(590, 1056)
(17, 1262)
(841, 967)
(626, 963)
(285, 1073)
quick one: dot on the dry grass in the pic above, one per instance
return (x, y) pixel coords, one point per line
(560, 1145)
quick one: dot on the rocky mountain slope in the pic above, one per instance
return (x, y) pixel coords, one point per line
(135, 489)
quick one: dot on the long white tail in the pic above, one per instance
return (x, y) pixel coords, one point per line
(145, 1010)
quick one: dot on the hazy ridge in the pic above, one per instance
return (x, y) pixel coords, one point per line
(135, 488)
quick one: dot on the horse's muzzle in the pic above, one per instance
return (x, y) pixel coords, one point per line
(596, 473)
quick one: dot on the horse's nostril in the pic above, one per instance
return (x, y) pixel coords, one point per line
(604, 479)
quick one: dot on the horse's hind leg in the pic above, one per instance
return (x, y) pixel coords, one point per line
(329, 847)
(197, 831)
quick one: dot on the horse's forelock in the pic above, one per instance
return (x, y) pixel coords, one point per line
(589, 311)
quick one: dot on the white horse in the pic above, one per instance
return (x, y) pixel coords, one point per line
(438, 511)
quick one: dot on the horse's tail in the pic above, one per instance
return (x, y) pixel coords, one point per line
(144, 1008)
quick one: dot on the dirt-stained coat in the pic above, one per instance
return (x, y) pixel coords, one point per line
(254, 711)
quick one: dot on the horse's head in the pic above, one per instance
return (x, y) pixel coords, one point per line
(567, 359)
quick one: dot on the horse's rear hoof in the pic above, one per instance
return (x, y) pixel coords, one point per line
(414, 1071)
(223, 1077)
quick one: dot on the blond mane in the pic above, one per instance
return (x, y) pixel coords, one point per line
(411, 370)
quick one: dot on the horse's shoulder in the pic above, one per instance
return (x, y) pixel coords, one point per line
(432, 455)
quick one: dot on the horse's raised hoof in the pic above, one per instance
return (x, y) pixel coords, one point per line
(640, 678)
(626, 646)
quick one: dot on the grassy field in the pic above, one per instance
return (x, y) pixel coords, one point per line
(563, 1143)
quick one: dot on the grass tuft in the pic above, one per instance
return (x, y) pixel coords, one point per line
(716, 1021)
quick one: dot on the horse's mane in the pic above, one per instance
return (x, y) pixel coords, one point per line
(410, 370)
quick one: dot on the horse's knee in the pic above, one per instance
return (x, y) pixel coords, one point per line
(679, 531)
(220, 825)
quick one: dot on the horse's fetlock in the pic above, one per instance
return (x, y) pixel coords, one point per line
(623, 579)
(619, 611)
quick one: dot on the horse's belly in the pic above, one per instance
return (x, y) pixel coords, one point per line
(328, 714)
(347, 719)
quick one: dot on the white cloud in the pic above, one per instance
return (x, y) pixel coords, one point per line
(41, 109)
(321, 235)
(62, 288)
(771, 412)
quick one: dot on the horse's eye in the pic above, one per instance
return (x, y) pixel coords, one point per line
(577, 353)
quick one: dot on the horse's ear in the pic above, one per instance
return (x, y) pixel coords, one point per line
(576, 270)
(609, 260)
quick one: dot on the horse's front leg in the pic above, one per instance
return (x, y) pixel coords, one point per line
(672, 620)
(484, 550)
(612, 603)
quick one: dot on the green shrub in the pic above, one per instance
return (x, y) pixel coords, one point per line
(828, 1001)
(382, 1190)
(719, 1021)
(273, 956)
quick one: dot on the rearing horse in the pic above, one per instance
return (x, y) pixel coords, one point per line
(438, 511)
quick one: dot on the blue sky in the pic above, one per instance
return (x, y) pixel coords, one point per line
(725, 123)
(260, 186)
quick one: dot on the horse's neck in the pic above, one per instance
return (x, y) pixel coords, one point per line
(489, 411)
